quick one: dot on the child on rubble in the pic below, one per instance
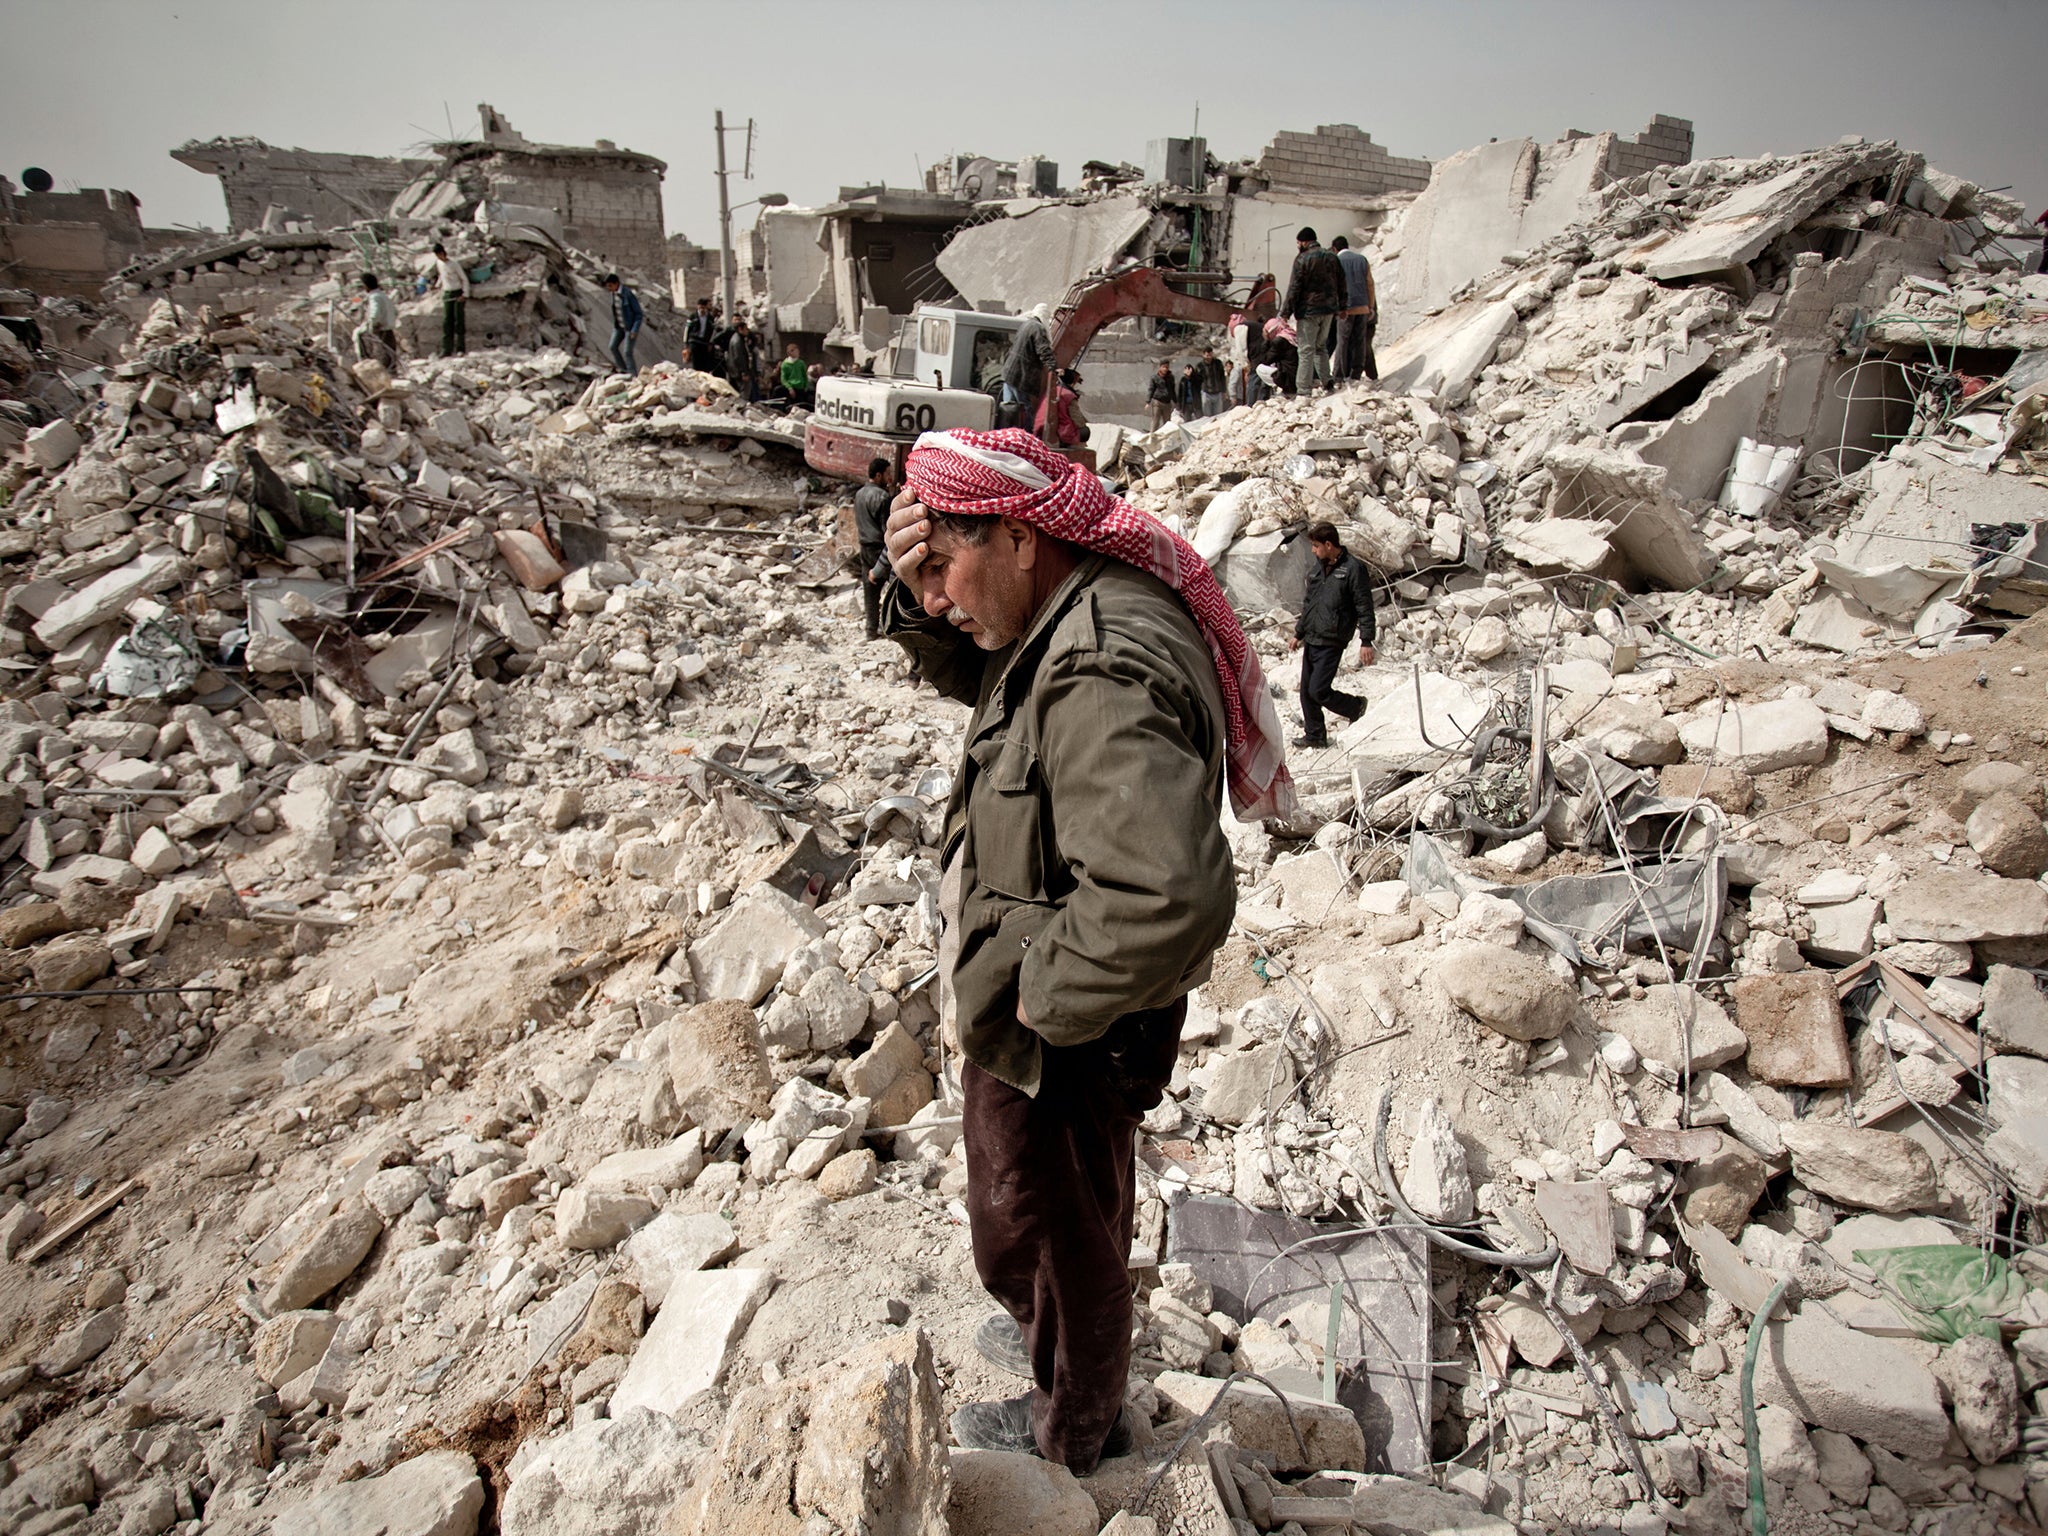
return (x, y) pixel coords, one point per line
(377, 337)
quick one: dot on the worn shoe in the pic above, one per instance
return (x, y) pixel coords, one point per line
(1121, 1441)
(1000, 1342)
(1004, 1425)
(1316, 743)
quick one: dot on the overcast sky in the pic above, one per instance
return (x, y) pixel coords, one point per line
(858, 91)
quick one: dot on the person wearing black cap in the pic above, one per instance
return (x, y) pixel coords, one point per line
(1316, 292)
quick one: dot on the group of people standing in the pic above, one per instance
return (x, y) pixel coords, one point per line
(1335, 310)
(733, 353)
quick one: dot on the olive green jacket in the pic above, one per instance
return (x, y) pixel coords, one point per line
(1095, 877)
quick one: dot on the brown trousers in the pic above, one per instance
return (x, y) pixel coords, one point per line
(1051, 1191)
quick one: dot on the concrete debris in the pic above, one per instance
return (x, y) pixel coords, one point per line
(554, 883)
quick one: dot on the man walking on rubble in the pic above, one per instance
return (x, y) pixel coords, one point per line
(1360, 317)
(870, 522)
(377, 337)
(1159, 395)
(627, 317)
(454, 282)
(1113, 693)
(1315, 293)
(1336, 599)
(1025, 368)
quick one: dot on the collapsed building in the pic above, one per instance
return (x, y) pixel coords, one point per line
(473, 914)
(993, 235)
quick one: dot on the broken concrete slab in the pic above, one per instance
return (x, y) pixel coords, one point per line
(701, 1318)
(64, 621)
(1399, 1506)
(1659, 1024)
(997, 1492)
(1444, 354)
(1649, 531)
(1843, 932)
(1034, 259)
(1876, 1170)
(2015, 1011)
(856, 1445)
(1793, 1021)
(438, 1494)
(1262, 572)
(1758, 738)
(1958, 907)
(1394, 734)
(1850, 1382)
(1259, 1423)
(743, 957)
(674, 1244)
(1737, 229)
(1580, 1215)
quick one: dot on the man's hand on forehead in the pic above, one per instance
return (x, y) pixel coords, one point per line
(905, 536)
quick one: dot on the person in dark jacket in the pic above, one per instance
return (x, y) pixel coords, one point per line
(870, 522)
(1190, 393)
(1316, 291)
(1360, 317)
(1159, 395)
(627, 317)
(1336, 600)
(741, 371)
(698, 334)
(1215, 380)
(1024, 369)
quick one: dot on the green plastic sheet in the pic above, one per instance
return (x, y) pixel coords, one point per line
(1948, 1290)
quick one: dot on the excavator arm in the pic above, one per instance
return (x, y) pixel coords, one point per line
(1096, 302)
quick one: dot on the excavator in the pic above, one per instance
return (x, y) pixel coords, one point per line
(946, 362)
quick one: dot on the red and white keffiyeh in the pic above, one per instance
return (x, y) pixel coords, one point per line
(1012, 474)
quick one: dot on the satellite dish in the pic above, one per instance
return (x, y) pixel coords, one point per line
(36, 179)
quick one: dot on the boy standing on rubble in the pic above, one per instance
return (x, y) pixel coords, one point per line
(627, 317)
(1336, 599)
(1113, 694)
(454, 283)
(377, 337)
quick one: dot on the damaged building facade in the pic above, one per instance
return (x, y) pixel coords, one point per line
(70, 243)
(598, 198)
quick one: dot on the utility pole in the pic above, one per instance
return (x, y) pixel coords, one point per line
(726, 273)
(724, 225)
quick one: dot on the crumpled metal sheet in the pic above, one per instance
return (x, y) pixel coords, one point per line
(1590, 917)
(156, 659)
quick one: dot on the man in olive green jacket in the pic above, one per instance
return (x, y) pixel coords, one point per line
(1095, 884)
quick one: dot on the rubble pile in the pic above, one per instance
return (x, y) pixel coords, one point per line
(509, 1089)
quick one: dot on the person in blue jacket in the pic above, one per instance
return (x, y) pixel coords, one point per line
(626, 319)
